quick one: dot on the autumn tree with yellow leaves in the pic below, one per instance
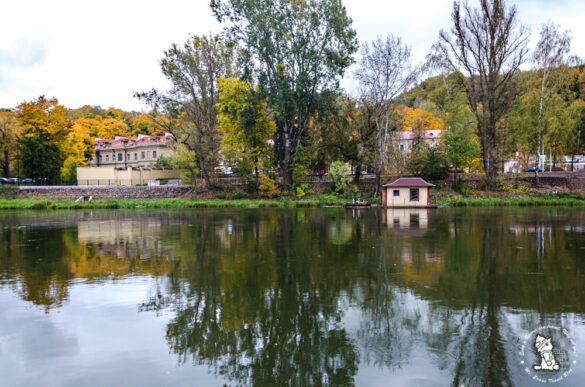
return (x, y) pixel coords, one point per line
(8, 132)
(245, 121)
(42, 142)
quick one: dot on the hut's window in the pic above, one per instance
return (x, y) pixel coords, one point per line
(414, 194)
(142, 155)
(107, 157)
(119, 156)
(135, 156)
(154, 154)
(396, 192)
(414, 220)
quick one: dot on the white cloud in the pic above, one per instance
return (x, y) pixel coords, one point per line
(99, 53)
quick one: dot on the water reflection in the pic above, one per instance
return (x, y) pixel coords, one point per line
(312, 297)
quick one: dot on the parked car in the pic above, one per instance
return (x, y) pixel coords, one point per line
(13, 180)
(26, 181)
(533, 169)
(4, 180)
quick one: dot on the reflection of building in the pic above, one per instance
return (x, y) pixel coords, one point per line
(407, 192)
(122, 238)
(408, 221)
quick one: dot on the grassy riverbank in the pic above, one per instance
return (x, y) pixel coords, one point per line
(283, 202)
(531, 201)
(69, 204)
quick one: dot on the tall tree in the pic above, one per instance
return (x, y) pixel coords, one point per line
(8, 133)
(194, 71)
(485, 48)
(552, 58)
(296, 50)
(245, 120)
(40, 157)
(42, 142)
(384, 72)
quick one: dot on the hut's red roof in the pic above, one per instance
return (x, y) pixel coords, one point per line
(409, 182)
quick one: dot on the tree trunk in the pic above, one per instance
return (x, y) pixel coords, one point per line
(6, 163)
(357, 174)
(202, 166)
(284, 151)
(538, 145)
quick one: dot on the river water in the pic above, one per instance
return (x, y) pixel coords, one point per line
(274, 297)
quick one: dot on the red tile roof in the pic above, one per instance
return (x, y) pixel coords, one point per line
(409, 182)
(434, 133)
(126, 143)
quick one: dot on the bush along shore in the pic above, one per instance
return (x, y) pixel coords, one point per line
(574, 200)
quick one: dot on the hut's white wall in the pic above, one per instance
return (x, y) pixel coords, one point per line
(403, 198)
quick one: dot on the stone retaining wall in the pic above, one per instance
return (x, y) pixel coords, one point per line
(105, 192)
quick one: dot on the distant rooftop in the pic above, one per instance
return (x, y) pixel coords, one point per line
(435, 133)
(409, 182)
(120, 142)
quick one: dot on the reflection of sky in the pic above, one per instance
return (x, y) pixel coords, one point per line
(98, 338)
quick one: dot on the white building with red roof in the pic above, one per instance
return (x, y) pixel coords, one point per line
(137, 152)
(407, 192)
(405, 140)
(129, 161)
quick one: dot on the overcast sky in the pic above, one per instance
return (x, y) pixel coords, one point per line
(99, 53)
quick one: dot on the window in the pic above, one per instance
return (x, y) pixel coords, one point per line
(414, 194)
(142, 155)
(107, 157)
(154, 154)
(396, 192)
(119, 156)
(128, 156)
(135, 156)
(414, 220)
(402, 147)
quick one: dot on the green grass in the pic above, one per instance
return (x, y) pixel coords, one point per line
(67, 204)
(545, 200)
(282, 202)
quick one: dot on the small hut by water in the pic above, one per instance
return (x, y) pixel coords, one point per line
(407, 192)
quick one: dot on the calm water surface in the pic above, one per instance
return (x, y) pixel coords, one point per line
(289, 297)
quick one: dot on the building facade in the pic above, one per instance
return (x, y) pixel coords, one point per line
(139, 152)
(405, 140)
(407, 192)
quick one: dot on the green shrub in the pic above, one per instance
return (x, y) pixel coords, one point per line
(340, 172)
(239, 194)
(267, 185)
(300, 190)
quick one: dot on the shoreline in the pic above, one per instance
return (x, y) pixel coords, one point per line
(314, 201)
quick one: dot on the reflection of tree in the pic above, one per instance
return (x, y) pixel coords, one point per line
(38, 267)
(258, 312)
(481, 356)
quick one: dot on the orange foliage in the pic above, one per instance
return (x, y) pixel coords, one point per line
(419, 119)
